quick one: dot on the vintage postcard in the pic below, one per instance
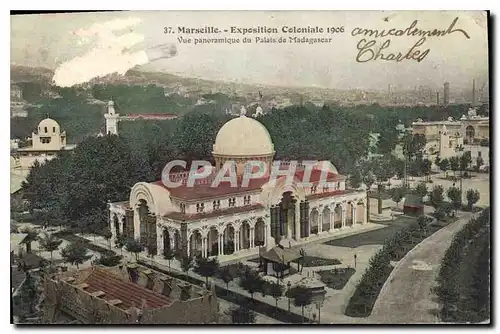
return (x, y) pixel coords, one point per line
(263, 167)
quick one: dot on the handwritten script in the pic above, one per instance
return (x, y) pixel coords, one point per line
(368, 50)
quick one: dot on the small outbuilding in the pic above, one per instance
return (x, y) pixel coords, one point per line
(277, 260)
(413, 205)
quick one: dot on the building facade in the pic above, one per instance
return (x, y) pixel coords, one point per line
(234, 221)
(47, 141)
(113, 118)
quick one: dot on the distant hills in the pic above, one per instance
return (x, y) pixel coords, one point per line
(173, 82)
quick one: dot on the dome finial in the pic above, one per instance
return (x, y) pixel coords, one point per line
(243, 111)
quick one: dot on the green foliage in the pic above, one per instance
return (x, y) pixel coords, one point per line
(186, 264)
(444, 165)
(110, 260)
(251, 281)
(49, 243)
(397, 194)
(451, 290)
(465, 160)
(206, 267)
(455, 197)
(242, 315)
(303, 297)
(134, 246)
(226, 275)
(75, 253)
(454, 163)
(472, 198)
(436, 196)
(421, 189)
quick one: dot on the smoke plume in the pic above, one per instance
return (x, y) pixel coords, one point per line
(107, 54)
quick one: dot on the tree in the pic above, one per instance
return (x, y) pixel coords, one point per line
(49, 243)
(465, 160)
(226, 276)
(186, 264)
(109, 260)
(134, 246)
(455, 197)
(14, 228)
(472, 198)
(120, 241)
(168, 255)
(242, 315)
(106, 233)
(454, 164)
(75, 253)
(382, 170)
(422, 222)
(426, 168)
(479, 163)
(276, 290)
(31, 236)
(436, 196)
(355, 179)
(444, 165)
(251, 282)
(303, 297)
(206, 268)
(421, 190)
(397, 195)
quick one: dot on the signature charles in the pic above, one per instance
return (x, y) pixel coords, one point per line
(368, 50)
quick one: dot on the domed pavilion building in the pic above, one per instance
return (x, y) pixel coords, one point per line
(233, 222)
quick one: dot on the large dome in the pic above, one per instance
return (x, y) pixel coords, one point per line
(48, 125)
(243, 137)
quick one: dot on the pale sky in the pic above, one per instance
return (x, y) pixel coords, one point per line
(52, 39)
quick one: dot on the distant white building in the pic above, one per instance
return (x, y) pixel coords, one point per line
(47, 141)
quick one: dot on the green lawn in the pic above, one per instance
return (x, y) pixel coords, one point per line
(336, 278)
(313, 261)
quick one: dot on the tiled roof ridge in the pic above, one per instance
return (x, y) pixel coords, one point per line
(131, 294)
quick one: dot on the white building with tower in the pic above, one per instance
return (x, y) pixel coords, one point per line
(113, 118)
(234, 222)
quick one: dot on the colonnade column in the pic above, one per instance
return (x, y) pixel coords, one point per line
(268, 240)
(320, 222)
(120, 223)
(189, 246)
(236, 240)
(353, 215)
(252, 237)
(344, 214)
(137, 225)
(111, 226)
(220, 244)
(159, 240)
(297, 220)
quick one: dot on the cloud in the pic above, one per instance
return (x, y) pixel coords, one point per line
(108, 53)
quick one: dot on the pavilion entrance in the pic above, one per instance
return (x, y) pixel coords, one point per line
(283, 218)
(148, 235)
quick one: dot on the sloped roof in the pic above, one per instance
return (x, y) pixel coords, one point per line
(413, 201)
(281, 255)
(130, 294)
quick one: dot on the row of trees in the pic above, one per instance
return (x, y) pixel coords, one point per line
(458, 163)
(463, 280)
(379, 269)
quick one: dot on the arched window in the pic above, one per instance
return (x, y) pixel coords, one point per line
(54, 129)
(45, 129)
(470, 132)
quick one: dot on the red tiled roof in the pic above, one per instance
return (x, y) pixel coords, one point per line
(150, 116)
(129, 293)
(328, 194)
(202, 191)
(229, 211)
